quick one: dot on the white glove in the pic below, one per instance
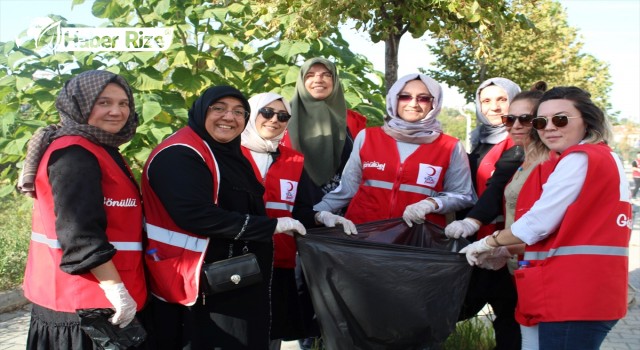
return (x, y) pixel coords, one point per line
(289, 225)
(122, 302)
(330, 220)
(474, 249)
(461, 228)
(417, 211)
(494, 260)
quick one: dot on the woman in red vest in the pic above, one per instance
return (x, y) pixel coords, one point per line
(280, 170)
(322, 129)
(408, 164)
(490, 144)
(204, 204)
(502, 190)
(86, 239)
(576, 228)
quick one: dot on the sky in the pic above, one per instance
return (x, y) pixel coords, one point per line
(609, 29)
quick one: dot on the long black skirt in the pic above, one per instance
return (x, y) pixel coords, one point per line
(50, 329)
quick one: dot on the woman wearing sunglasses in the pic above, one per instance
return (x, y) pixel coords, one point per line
(498, 200)
(280, 170)
(576, 228)
(408, 163)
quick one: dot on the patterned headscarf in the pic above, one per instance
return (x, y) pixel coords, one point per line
(422, 131)
(485, 132)
(74, 103)
(318, 128)
(250, 136)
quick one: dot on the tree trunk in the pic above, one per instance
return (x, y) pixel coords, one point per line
(391, 45)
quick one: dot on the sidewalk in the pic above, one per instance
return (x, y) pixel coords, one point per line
(624, 336)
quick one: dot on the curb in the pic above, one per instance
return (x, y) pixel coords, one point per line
(11, 300)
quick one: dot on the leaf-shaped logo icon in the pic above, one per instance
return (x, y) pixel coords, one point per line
(57, 35)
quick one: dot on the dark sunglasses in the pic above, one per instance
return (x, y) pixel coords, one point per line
(419, 98)
(268, 113)
(509, 119)
(559, 121)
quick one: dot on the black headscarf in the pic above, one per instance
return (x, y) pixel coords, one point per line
(235, 170)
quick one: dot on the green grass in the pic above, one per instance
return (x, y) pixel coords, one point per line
(475, 333)
(15, 230)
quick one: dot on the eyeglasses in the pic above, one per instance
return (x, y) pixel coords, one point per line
(419, 98)
(269, 113)
(559, 120)
(220, 111)
(509, 119)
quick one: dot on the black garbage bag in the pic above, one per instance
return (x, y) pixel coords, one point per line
(389, 287)
(95, 323)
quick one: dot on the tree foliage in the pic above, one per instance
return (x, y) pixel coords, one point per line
(549, 51)
(388, 21)
(214, 43)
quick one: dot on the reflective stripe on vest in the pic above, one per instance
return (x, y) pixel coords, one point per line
(404, 187)
(578, 250)
(55, 244)
(417, 189)
(279, 206)
(176, 239)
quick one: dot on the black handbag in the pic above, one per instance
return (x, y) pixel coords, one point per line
(233, 273)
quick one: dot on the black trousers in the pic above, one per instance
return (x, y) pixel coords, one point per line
(498, 289)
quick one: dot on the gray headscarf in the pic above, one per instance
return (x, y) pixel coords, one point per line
(485, 132)
(422, 131)
(74, 103)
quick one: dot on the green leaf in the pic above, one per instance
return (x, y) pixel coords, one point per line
(289, 49)
(184, 79)
(22, 83)
(149, 79)
(16, 147)
(108, 9)
(150, 109)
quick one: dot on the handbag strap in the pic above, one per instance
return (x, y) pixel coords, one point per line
(245, 249)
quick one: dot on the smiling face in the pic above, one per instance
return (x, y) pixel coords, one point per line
(225, 127)
(319, 81)
(111, 109)
(270, 128)
(494, 103)
(520, 133)
(412, 111)
(558, 139)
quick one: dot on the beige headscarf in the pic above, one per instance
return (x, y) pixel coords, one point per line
(250, 136)
(318, 128)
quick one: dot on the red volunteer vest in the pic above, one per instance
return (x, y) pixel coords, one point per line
(485, 170)
(355, 123)
(176, 277)
(44, 283)
(281, 186)
(580, 272)
(388, 185)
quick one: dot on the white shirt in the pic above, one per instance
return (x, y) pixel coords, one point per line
(558, 193)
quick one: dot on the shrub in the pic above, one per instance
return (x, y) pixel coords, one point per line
(15, 229)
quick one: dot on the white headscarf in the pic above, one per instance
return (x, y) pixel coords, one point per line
(250, 136)
(425, 130)
(485, 132)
